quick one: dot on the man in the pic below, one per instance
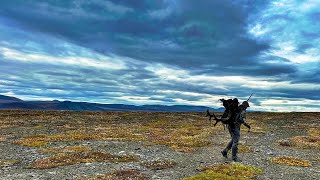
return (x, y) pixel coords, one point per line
(234, 130)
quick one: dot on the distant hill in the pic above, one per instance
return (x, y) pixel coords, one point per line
(7, 102)
(9, 99)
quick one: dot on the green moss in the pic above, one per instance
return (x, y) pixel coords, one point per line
(290, 161)
(8, 162)
(227, 171)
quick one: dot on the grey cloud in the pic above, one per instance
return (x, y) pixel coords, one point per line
(203, 38)
(164, 99)
(210, 32)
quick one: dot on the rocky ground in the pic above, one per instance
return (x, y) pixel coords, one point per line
(17, 155)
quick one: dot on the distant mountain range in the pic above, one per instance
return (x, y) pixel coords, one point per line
(7, 102)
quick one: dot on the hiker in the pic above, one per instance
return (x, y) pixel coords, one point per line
(234, 130)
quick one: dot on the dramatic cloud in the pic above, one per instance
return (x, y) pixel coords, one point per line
(162, 52)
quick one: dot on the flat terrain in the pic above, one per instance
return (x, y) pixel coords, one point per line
(149, 145)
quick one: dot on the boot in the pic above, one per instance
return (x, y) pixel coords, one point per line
(236, 159)
(224, 153)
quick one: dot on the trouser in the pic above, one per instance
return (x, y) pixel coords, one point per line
(233, 144)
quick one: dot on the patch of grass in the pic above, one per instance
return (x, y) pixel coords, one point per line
(290, 161)
(179, 136)
(312, 141)
(244, 149)
(121, 175)
(227, 171)
(70, 149)
(314, 132)
(121, 133)
(81, 157)
(116, 133)
(286, 142)
(307, 142)
(159, 164)
(33, 141)
(8, 162)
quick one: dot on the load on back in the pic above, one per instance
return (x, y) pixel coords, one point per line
(231, 112)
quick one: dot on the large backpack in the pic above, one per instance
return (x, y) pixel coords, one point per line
(231, 111)
(229, 114)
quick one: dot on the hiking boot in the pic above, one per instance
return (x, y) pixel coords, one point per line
(236, 159)
(224, 154)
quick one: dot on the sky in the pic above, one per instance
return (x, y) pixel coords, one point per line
(167, 52)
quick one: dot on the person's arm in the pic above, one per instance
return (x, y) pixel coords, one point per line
(247, 125)
(242, 117)
(243, 120)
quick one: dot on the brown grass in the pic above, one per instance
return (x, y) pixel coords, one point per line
(290, 161)
(117, 133)
(159, 164)
(132, 174)
(178, 134)
(70, 149)
(65, 159)
(312, 141)
(184, 132)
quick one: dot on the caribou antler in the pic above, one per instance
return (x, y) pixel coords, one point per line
(212, 115)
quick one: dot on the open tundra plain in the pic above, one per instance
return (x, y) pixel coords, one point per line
(155, 145)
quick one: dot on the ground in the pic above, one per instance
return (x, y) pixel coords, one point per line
(151, 145)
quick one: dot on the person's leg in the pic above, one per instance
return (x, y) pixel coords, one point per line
(225, 151)
(235, 139)
(229, 145)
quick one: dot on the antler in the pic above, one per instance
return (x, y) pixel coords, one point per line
(211, 116)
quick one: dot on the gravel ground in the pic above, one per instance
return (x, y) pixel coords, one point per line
(263, 144)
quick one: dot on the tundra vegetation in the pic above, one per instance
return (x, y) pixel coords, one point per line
(227, 171)
(144, 145)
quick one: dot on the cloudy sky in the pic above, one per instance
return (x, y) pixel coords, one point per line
(163, 51)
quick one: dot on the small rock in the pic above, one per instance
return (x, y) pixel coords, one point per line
(121, 152)
(270, 153)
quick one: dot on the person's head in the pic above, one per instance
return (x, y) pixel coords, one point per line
(245, 104)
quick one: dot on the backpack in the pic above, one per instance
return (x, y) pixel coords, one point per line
(230, 113)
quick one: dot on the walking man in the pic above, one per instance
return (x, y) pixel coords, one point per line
(234, 130)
